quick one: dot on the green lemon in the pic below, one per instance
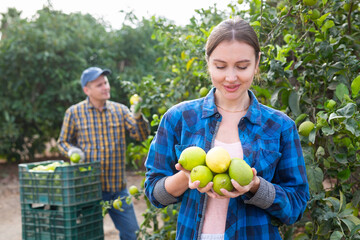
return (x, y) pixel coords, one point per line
(222, 180)
(162, 110)
(354, 209)
(218, 159)
(305, 128)
(203, 91)
(309, 2)
(347, 7)
(240, 171)
(133, 190)
(288, 37)
(134, 99)
(117, 204)
(201, 173)
(309, 227)
(75, 157)
(191, 157)
(314, 14)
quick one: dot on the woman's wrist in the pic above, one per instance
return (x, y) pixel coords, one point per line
(256, 185)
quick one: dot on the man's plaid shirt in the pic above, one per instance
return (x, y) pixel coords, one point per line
(101, 136)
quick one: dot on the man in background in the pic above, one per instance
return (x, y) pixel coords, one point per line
(95, 128)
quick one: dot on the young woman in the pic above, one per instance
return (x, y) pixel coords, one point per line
(230, 116)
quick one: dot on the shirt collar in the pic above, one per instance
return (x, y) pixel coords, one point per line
(90, 106)
(253, 114)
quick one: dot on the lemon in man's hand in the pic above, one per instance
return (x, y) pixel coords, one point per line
(134, 99)
(75, 157)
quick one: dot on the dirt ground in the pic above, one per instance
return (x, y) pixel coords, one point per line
(10, 208)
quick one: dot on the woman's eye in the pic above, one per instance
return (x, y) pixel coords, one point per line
(220, 67)
(241, 68)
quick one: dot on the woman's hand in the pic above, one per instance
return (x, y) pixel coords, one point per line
(239, 190)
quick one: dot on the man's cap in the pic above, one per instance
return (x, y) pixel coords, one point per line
(92, 73)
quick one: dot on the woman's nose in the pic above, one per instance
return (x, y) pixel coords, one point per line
(231, 75)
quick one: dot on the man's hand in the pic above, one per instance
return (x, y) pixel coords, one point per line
(78, 151)
(135, 107)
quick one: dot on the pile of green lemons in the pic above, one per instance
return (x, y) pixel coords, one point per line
(217, 166)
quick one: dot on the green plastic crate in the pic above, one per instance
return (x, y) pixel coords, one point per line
(66, 185)
(47, 222)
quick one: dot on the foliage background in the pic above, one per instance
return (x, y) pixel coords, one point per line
(309, 69)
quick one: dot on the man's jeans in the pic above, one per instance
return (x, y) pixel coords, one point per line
(124, 221)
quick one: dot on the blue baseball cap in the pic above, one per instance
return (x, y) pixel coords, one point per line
(92, 73)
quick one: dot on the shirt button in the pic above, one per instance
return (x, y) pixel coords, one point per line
(212, 131)
(217, 115)
(199, 215)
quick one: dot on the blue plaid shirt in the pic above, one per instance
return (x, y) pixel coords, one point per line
(270, 144)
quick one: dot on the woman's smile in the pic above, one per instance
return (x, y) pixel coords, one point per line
(232, 87)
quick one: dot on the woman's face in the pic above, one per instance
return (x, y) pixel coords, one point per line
(232, 67)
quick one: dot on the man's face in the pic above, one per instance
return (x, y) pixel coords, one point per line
(99, 89)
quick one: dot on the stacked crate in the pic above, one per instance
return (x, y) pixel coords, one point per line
(61, 204)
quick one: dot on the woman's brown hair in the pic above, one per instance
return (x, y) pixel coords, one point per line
(229, 30)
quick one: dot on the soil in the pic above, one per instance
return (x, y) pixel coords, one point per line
(10, 208)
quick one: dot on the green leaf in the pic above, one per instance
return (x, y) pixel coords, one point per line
(324, 228)
(334, 202)
(312, 136)
(275, 96)
(255, 24)
(355, 86)
(289, 65)
(344, 174)
(341, 90)
(189, 63)
(294, 102)
(356, 198)
(355, 230)
(354, 219)
(341, 158)
(300, 118)
(320, 152)
(348, 110)
(342, 201)
(315, 177)
(328, 24)
(350, 224)
(336, 235)
(301, 236)
(327, 131)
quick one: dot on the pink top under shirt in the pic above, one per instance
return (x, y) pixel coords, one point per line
(216, 209)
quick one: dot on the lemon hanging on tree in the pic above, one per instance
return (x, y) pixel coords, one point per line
(305, 128)
(117, 204)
